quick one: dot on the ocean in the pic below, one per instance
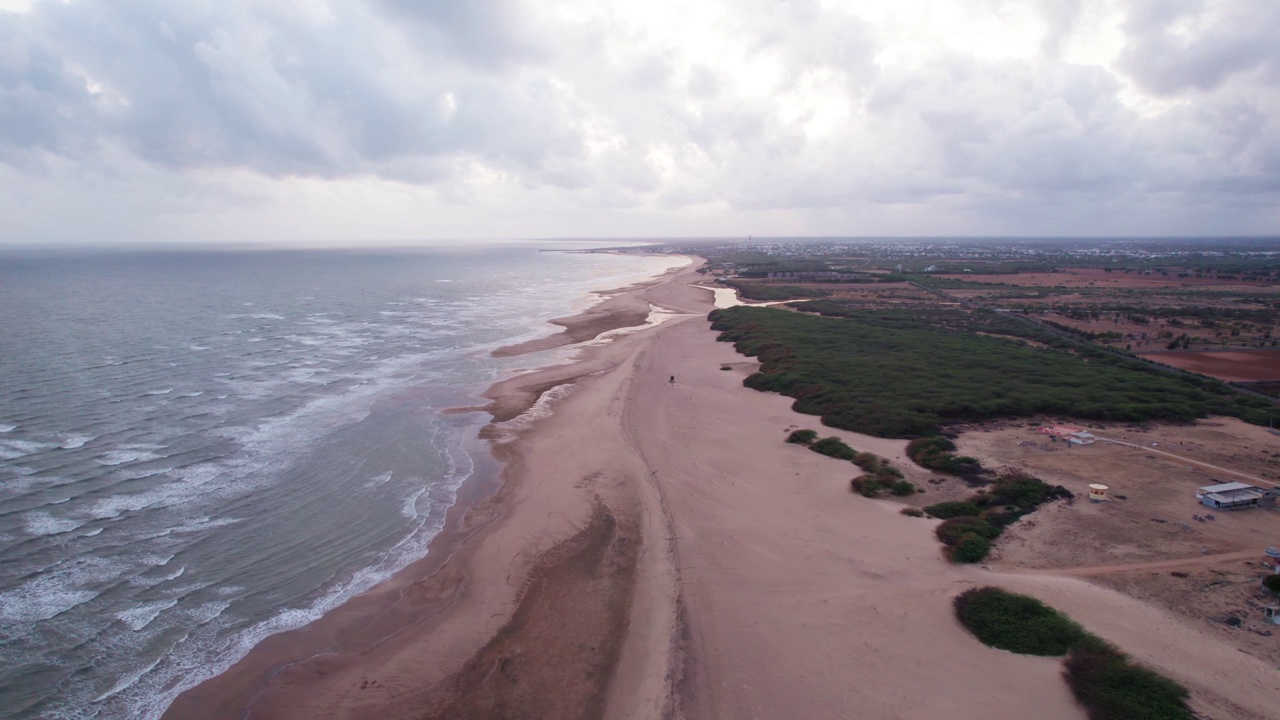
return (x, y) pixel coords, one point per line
(199, 449)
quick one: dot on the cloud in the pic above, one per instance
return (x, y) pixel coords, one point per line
(517, 117)
(1174, 47)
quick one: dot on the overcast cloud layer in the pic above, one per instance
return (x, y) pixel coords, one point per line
(328, 120)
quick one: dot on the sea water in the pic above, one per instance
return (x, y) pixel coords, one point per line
(200, 449)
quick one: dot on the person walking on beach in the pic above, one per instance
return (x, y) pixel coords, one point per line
(673, 379)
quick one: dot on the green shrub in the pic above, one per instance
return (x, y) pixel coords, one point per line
(972, 548)
(953, 508)
(1272, 583)
(867, 486)
(950, 532)
(1110, 687)
(1020, 491)
(802, 437)
(834, 447)
(912, 512)
(867, 461)
(901, 488)
(1016, 623)
(935, 453)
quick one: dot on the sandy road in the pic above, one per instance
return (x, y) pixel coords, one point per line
(1183, 459)
(1175, 564)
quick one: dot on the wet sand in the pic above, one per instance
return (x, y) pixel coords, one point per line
(656, 550)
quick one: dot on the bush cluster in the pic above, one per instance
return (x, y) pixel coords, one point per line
(1016, 623)
(879, 476)
(1102, 678)
(935, 453)
(834, 447)
(1272, 583)
(1111, 687)
(970, 525)
(802, 437)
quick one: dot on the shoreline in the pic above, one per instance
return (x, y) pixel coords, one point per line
(430, 583)
(659, 547)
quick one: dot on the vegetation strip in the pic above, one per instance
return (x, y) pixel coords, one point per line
(1103, 679)
(879, 475)
(901, 374)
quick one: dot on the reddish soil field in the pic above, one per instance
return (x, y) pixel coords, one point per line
(1231, 366)
(1099, 278)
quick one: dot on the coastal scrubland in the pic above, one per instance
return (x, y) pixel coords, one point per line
(904, 374)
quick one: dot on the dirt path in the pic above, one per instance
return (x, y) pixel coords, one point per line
(1158, 565)
(1187, 460)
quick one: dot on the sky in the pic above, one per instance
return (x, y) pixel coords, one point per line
(337, 122)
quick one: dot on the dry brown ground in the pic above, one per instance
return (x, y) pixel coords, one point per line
(1234, 366)
(1149, 520)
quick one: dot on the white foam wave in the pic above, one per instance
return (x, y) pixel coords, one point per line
(14, 449)
(129, 680)
(162, 391)
(8, 428)
(93, 532)
(379, 480)
(199, 347)
(42, 598)
(129, 454)
(197, 393)
(207, 612)
(71, 442)
(141, 616)
(410, 507)
(41, 524)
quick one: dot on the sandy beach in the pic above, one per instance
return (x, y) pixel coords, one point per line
(653, 549)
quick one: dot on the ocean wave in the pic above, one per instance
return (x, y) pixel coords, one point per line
(14, 449)
(410, 507)
(71, 442)
(42, 598)
(140, 616)
(129, 454)
(42, 524)
(378, 480)
(164, 391)
(8, 428)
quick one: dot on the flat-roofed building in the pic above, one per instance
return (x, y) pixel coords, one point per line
(1236, 496)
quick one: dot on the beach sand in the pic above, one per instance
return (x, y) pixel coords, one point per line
(655, 549)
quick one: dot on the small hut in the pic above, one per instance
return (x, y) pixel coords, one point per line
(1271, 558)
(1097, 492)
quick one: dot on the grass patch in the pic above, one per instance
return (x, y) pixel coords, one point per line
(896, 373)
